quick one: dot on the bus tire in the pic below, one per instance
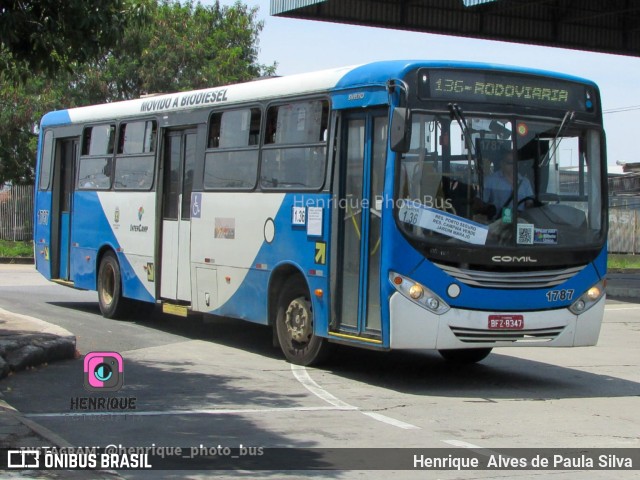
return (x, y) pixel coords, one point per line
(294, 325)
(112, 303)
(465, 355)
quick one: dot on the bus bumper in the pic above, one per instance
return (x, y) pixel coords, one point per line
(415, 327)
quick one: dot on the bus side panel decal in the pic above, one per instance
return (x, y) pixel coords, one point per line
(94, 226)
(229, 233)
(249, 300)
(132, 218)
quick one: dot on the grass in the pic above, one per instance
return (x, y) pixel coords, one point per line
(25, 249)
(623, 262)
(16, 249)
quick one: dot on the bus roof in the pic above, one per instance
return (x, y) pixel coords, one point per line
(376, 73)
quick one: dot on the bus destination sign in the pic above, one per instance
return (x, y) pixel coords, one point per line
(504, 88)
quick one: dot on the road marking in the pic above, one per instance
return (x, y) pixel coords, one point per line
(201, 411)
(609, 309)
(390, 421)
(461, 444)
(476, 448)
(303, 377)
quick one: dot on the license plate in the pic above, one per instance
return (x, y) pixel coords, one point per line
(506, 322)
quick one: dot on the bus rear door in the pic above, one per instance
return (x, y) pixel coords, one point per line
(179, 165)
(66, 154)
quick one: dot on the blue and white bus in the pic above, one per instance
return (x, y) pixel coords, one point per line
(448, 206)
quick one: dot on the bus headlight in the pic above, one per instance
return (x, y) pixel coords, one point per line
(418, 293)
(588, 299)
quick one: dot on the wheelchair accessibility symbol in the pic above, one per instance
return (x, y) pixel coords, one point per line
(196, 205)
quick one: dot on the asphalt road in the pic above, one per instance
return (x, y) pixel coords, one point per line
(220, 382)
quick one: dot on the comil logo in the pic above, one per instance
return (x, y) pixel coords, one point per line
(103, 372)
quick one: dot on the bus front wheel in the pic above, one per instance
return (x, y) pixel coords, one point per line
(112, 303)
(465, 355)
(294, 325)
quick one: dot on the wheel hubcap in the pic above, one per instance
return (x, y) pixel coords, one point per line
(298, 320)
(108, 284)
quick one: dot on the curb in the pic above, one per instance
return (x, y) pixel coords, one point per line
(630, 271)
(44, 432)
(17, 260)
(53, 438)
(28, 341)
(19, 352)
(623, 293)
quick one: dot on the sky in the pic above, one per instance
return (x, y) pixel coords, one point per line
(299, 46)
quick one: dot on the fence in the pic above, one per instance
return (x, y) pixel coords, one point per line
(16, 212)
(624, 228)
(16, 218)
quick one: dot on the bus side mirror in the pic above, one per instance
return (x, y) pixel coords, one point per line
(400, 136)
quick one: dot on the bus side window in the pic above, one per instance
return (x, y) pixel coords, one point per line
(231, 161)
(95, 167)
(294, 156)
(46, 161)
(135, 160)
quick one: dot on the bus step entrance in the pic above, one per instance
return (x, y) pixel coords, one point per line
(173, 309)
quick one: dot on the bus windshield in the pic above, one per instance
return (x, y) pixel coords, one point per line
(507, 182)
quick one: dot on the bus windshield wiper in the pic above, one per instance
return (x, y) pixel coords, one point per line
(566, 121)
(456, 113)
(472, 155)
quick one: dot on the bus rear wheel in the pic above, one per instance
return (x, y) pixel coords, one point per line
(465, 355)
(112, 303)
(294, 326)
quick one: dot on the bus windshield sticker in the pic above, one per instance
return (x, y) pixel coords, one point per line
(525, 234)
(545, 236)
(438, 221)
(314, 222)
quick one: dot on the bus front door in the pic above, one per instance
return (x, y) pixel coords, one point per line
(361, 181)
(179, 164)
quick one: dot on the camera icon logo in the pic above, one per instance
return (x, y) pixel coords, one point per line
(103, 372)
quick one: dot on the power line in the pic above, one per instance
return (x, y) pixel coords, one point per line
(622, 109)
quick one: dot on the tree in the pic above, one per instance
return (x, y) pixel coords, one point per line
(22, 104)
(17, 143)
(180, 47)
(47, 35)
(185, 47)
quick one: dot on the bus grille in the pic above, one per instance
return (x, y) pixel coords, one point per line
(511, 280)
(471, 335)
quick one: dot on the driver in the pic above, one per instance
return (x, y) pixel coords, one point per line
(498, 190)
